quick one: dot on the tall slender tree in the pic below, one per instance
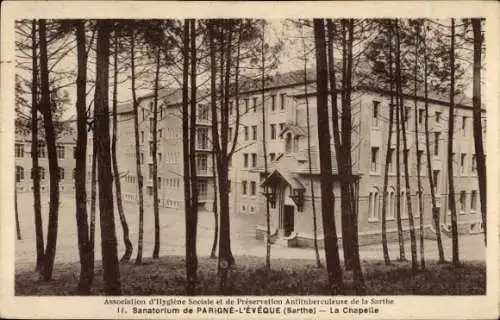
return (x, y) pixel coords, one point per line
(213, 254)
(81, 163)
(309, 157)
(417, 26)
(264, 145)
(476, 115)
(16, 212)
(116, 173)
(451, 125)
(192, 216)
(432, 183)
(37, 207)
(111, 271)
(154, 132)
(140, 182)
(330, 235)
(404, 120)
(50, 138)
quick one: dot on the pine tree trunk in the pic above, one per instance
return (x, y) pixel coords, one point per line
(81, 164)
(264, 150)
(192, 217)
(330, 234)
(213, 253)
(156, 249)
(93, 200)
(417, 154)
(37, 206)
(110, 264)
(435, 209)
(140, 178)
(116, 174)
(309, 158)
(403, 117)
(388, 159)
(50, 137)
(226, 259)
(186, 150)
(476, 114)
(16, 212)
(451, 124)
(402, 256)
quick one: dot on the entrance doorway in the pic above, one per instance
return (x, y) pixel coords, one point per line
(288, 220)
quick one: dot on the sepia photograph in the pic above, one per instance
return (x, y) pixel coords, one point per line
(247, 166)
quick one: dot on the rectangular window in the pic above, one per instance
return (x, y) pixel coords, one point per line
(142, 157)
(420, 115)
(202, 189)
(60, 152)
(374, 159)
(41, 151)
(161, 113)
(150, 171)
(150, 148)
(462, 201)
(143, 114)
(202, 112)
(254, 160)
(202, 138)
(464, 125)
(283, 101)
(229, 134)
(160, 133)
(273, 131)
(375, 114)
(247, 105)
(61, 173)
(473, 200)
(19, 150)
(436, 143)
(142, 136)
(245, 160)
(244, 187)
(159, 156)
(391, 160)
(407, 114)
(151, 106)
(202, 163)
(273, 102)
(463, 158)
(253, 188)
(254, 104)
(246, 133)
(435, 179)
(474, 164)
(230, 107)
(229, 186)
(272, 156)
(254, 132)
(420, 157)
(19, 174)
(282, 126)
(438, 116)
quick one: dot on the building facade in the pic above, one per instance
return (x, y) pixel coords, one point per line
(65, 148)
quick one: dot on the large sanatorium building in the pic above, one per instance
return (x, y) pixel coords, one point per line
(285, 104)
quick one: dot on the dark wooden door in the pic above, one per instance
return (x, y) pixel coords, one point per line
(288, 220)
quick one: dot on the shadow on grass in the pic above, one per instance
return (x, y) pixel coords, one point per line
(166, 276)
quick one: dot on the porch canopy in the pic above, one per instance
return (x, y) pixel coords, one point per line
(283, 175)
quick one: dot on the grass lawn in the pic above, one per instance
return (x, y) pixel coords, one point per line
(166, 276)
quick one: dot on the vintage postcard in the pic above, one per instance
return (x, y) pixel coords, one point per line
(224, 160)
